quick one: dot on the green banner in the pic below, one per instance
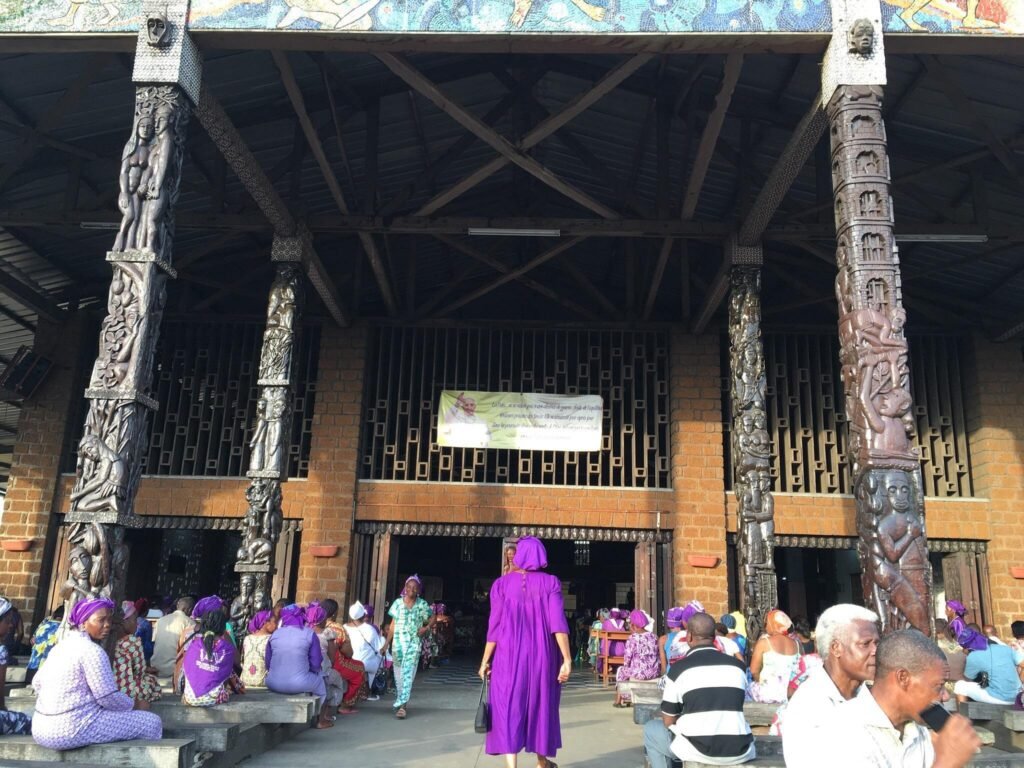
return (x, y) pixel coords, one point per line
(525, 421)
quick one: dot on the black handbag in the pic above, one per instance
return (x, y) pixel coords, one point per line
(483, 710)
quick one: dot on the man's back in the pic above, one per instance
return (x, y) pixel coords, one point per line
(706, 691)
(165, 641)
(998, 661)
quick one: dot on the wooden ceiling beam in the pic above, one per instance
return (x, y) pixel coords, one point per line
(229, 141)
(53, 117)
(513, 274)
(715, 295)
(965, 108)
(508, 151)
(29, 298)
(291, 86)
(503, 269)
(787, 168)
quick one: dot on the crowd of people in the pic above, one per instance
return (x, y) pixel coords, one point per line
(841, 690)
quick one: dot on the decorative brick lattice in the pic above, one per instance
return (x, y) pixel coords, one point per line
(408, 368)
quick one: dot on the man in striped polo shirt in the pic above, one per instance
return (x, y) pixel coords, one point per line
(702, 706)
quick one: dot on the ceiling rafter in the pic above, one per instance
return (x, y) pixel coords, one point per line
(291, 86)
(505, 148)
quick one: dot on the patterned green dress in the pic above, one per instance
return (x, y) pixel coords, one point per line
(405, 646)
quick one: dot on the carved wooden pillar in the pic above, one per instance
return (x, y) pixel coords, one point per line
(110, 454)
(271, 437)
(751, 449)
(885, 466)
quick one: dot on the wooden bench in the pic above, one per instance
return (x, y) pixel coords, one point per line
(165, 753)
(605, 661)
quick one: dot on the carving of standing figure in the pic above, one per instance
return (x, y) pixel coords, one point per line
(102, 485)
(274, 437)
(258, 442)
(155, 196)
(135, 164)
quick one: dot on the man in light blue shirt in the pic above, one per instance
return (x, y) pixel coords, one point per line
(998, 663)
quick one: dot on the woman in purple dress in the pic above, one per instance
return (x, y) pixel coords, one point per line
(294, 661)
(78, 702)
(528, 638)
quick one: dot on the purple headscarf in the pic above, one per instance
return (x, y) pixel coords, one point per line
(674, 618)
(292, 616)
(414, 577)
(85, 608)
(638, 618)
(261, 618)
(207, 604)
(616, 613)
(692, 609)
(203, 672)
(969, 639)
(530, 554)
(956, 607)
(315, 614)
(369, 611)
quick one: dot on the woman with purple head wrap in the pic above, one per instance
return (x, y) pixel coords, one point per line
(294, 661)
(411, 619)
(207, 604)
(969, 639)
(528, 639)
(77, 699)
(616, 622)
(254, 649)
(640, 661)
(674, 628)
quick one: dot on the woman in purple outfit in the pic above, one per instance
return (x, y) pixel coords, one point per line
(294, 661)
(528, 638)
(78, 702)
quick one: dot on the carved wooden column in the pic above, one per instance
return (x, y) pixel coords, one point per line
(751, 449)
(271, 437)
(885, 466)
(110, 454)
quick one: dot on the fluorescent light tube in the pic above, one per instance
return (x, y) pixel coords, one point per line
(500, 232)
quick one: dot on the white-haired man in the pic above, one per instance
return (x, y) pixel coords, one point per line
(846, 638)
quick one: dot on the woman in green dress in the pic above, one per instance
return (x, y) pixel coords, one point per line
(411, 619)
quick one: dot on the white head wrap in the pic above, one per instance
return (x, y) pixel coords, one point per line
(5, 606)
(356, 611)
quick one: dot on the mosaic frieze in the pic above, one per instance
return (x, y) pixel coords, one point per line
(976, 17)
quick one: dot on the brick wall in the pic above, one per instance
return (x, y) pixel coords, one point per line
(698, 476)
(996, 422)
(31, 493)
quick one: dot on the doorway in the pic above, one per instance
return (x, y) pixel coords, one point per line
(811, 580)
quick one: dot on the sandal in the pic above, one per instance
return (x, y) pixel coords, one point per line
(323, 724)
(400, 713)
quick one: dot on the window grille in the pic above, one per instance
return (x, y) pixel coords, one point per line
(807, 422)
(407, 369)
(205, 382)
(581, 552)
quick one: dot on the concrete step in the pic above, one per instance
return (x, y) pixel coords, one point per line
(759, 714)
(253, 739)
(258, 708)
(16, 674)
(987, 737)
(215, 737)
(976, 710)
(1014, 719)
(166, 753)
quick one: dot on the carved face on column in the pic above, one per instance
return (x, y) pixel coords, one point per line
(862, 37)
(80, 564)
(158, 31)
(897, 490)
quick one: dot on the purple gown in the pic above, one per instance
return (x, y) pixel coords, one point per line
(526, 611)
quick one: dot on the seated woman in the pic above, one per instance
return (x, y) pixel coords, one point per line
(351, 669)
(188, 633)
(254, 649)
(43, 640)
(209, 662)
(77, 700)
(316, 619)
(143, 629)
(130, 671)
(294, 661)
(640, 657)
(366, 642)
(674, 628)
(774, 661)
(11, 723)
(990, 674)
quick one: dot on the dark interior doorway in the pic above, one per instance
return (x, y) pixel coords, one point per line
(459, 571)
(811, 580)
(181, 562)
